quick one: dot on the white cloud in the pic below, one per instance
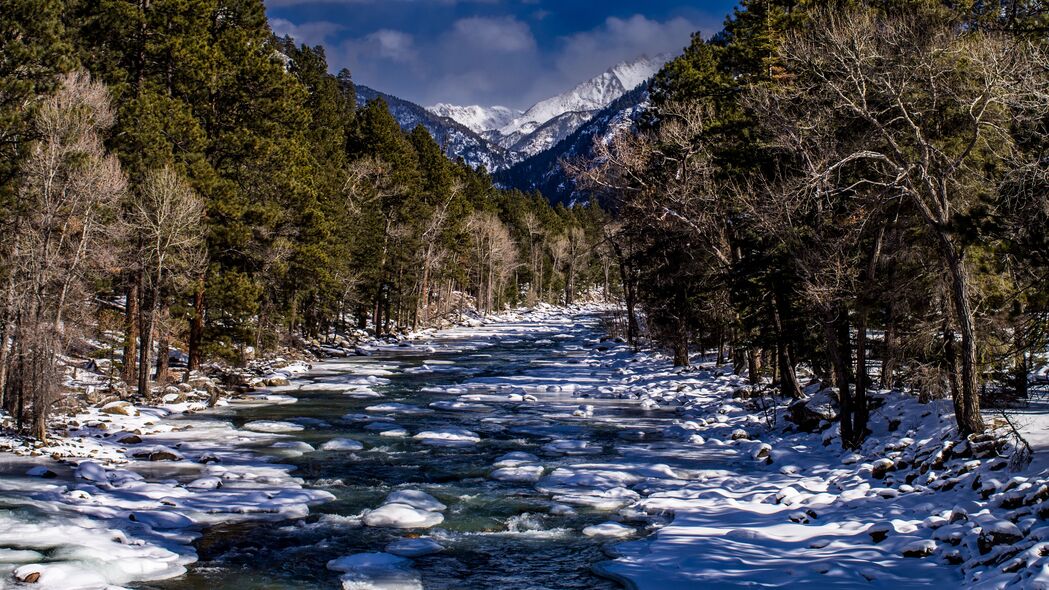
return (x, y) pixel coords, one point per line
(493, 34)
(590, 52)
(392, 45)
(311, 33)
(484, 60)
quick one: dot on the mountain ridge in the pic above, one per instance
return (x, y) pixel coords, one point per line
(523, 149)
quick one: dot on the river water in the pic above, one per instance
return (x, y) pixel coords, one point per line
(498, 535)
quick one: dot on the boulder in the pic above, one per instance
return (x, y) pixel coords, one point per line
(119, 408)
(1001, 532)
(277, 381)
(881, 467)
(157, 453)
(923, 548)
(810, 412)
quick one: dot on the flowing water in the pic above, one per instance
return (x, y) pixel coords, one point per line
(498, 535)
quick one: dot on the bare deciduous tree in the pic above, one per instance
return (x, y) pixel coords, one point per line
(495, 257)
(926, 102)
(61, 234)
(166, 217)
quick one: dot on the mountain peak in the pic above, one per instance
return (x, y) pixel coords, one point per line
(508, 127)
(634, 72)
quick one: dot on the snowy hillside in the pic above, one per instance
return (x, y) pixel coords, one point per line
(590, 96)
(542, 171)
(500, 137)
(475, 118)
(458, 140)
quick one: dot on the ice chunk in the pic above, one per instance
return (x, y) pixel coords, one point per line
(342, 444)
(397, 408)
(608, 530)
(273, 426)
(415, 499)
(448, 437)
(402, 516)
(366, 571)
(524, 473)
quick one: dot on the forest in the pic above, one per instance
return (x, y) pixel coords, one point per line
(220, 189)
(858, 188)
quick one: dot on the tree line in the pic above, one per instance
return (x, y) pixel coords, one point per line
(856, 188)
(215, 185)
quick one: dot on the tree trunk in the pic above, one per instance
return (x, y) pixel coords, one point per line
(968, 405)
(196, 327)
(754, 364)
(5, 335)
(950, 358)
(1020, 368)
(424, 295)
(721, 348)
(163, 352)
(888, 361)
(629, 297)
(681, 347)
(377, 313)
(833, 325)
(145, 350)
(788, 381)
(862, 377)
(131, 322)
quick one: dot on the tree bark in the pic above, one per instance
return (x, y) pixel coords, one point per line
(950, 357)
(131, 322)
(788, 377)
(681, 347)
(888, 361)
(967, 407)
(754, 364)
(834, 325)
(1020, 367)
(862, 377)
(145, 350)
(196, 327)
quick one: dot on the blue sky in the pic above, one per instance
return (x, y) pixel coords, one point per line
(488, 52)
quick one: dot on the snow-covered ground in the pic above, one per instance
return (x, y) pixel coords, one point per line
(686, 481)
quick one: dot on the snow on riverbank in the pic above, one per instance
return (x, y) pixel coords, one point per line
(754, 500)
(773, 506)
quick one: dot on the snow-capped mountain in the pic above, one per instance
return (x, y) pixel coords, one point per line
(549, 121)
(457, 140)
(525, 147)
(543, 172)
(476, 118)
(590, 96)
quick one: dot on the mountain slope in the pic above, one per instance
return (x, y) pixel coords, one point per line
(457, 140)
(590, 96)
(549, 121)
(543, 171)
(475, 118)
(524, 149)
